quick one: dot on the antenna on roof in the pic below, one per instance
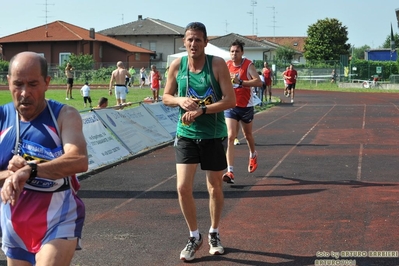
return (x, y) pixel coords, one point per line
(122, 20)
(46, 11)
(274, 20)
(225, 23)
(253, 4)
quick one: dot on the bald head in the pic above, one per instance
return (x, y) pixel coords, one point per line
(120, 64)
(30, 58)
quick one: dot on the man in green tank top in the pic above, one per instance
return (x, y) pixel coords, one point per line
(204, 90)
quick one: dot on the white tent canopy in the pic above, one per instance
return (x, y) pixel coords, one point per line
(209, 49)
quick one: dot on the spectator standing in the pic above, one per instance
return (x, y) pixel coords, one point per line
(118, 79)
(69, 75)
(204, 90)
(42, 148)
(333, 76)
(268, 77)
(155, 82)
(243, 75)
(143, 76)
(132, 73)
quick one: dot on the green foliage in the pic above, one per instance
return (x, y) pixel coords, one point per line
(387, 42)
(285, 53)
(358, 52)
(103, 74)
(326, 40)
(367, 68)
(4, 66)
(79, 62)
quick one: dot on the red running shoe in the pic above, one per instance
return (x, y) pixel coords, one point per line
(228, 177)
(253, 163)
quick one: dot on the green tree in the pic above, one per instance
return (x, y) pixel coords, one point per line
(79, 62)
(387, 43)
(4, 65)
(358, 52)
(285, 53)
(326, 40)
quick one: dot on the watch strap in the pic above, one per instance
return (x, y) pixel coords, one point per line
(33, 171)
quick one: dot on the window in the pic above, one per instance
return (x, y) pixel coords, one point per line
(137, 56)
(138, 44)
(153, 46)
(64, 57)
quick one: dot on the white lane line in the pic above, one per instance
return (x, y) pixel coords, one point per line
(359, 163)
(104, 214)
(296, 145)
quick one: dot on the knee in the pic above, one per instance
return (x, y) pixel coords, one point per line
(184, 191)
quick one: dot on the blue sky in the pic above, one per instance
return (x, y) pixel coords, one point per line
(368, 21)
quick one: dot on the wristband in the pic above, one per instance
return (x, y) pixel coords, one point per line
(240, 82)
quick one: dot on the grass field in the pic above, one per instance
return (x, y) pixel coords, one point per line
(136, 95)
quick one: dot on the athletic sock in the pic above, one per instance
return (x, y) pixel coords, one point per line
(213, 230)
(195, 234)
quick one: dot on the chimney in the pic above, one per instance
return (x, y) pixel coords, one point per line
(140, 17)
(92, 33)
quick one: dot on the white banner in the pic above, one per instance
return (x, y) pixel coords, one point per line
(135, 127)
(102, 147)
(166, 116)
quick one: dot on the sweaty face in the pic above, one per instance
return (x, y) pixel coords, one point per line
(195, 43)
(27, 87)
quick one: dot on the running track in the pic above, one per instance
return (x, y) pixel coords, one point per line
(327, 182)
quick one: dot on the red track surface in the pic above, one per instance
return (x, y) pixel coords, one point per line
(327, 182)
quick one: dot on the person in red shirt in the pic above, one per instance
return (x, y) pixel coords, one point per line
(155, 79)
(268, 75)
(291, 76)
(244, 76)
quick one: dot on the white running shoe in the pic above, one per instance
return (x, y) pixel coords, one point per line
(215, 245)
(188, 253)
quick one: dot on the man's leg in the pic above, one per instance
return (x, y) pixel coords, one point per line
(216, 201)
(185, 180)
(58, 252)
(216, 198)
(247, 131)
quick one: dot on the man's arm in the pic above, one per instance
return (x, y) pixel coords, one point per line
(74, 160)
(255, 81)
(111, 82)
(168, 97)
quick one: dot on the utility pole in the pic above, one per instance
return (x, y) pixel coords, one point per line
(226, 24)
(253, 4)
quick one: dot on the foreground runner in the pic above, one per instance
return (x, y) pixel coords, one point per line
(204, 90)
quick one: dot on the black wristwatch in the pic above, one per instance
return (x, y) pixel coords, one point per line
(240, 82)
(203, 108)
(33, 171)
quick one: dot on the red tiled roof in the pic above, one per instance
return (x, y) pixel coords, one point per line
(62, 31)
(296, 43)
